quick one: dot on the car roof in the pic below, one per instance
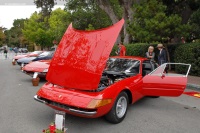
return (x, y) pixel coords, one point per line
(130, 57)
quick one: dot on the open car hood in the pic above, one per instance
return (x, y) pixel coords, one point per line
(81, 57)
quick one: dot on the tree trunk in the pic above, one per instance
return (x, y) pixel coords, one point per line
(128, 16)
(186, 13)
(105, 5)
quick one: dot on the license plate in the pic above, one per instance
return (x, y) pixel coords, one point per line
(22, 65)
(35, 75)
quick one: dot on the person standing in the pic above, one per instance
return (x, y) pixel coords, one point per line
(162, 57)
(121, 50)
(5, 52)
(150, 54)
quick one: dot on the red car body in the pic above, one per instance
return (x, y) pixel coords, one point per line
(41, 67)
(76, 70)
(32, 54)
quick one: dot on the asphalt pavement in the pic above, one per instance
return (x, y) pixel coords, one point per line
(19, 113)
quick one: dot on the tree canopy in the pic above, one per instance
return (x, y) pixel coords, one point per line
(151, 23)
(38, 32)
(14, 36)
(145, 20)
(2, 36)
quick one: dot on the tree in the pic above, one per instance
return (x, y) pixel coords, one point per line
(14, 36)
(46, 6)
(2, 36)
(194, 21)
(37, 32)
(115, 10)
(84, 14)
(185, 8)
(58, 22)
(112, 8)
(150, 23)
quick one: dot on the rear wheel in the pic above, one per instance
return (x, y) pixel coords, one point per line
(119, 109)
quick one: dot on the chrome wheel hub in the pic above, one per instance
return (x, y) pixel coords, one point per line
(121, 107)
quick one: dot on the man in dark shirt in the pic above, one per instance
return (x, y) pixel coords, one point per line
(162, 57)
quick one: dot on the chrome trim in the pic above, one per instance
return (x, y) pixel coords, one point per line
(82, 112)
(39, 100)
(89, 113)
(174, 64)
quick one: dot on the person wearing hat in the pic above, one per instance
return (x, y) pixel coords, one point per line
(162, 57)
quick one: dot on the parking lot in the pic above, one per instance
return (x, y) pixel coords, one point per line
(20, 113)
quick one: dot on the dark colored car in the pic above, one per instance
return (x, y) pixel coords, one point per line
(45, 56)
(23, 50)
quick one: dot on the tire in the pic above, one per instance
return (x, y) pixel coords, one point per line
(119, 109)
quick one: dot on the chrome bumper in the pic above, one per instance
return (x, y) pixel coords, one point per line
(65, 107)
(39, 100)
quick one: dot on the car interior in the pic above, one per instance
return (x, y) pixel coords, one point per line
(147, 68)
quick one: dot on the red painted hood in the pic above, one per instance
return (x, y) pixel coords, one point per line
(37, 66)
(19, 56)
(81, 57)
(25, 55)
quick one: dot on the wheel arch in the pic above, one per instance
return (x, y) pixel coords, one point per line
(130, 97)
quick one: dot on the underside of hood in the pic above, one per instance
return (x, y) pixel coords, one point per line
(81, 56)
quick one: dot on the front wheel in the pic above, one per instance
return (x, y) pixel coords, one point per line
(119, 109)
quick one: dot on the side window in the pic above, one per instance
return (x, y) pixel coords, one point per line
(159, 70)
(172, 70)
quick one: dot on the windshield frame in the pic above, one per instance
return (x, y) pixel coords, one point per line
(128, 68)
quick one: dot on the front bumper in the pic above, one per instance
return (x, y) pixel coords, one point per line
(65, 107)
(72, 101)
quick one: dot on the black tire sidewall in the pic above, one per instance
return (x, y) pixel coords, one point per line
(112, 115)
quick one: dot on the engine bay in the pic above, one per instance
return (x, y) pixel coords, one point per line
(110, 77)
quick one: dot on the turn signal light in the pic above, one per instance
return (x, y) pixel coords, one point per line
(95, 103)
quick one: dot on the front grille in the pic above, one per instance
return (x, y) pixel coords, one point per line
(64, 106)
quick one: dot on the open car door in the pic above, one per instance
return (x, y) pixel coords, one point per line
(162, 82)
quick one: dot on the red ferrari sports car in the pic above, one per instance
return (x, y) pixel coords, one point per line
(37, 68)
(84, 81)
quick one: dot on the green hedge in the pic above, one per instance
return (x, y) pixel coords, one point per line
(189, 53)
(184, 53)
(140, 49)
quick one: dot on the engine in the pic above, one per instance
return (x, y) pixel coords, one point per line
(108, 78)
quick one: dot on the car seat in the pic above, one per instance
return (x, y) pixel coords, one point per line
(146, 68)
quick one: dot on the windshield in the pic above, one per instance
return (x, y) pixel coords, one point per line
(119, 64)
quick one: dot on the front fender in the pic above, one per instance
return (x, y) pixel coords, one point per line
(132, 84)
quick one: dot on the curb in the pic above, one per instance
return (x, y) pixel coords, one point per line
(193, 86)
